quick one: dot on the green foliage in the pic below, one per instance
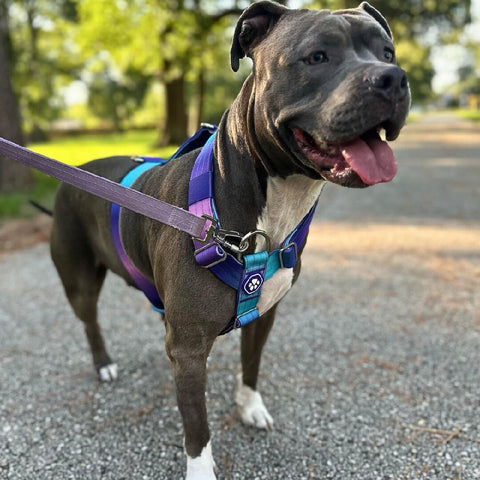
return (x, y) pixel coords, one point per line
(468, 114)
(117, 97)
(122, 50)
(45, 58)
(415, 60)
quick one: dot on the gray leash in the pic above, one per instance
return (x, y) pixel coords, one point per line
(134, 200)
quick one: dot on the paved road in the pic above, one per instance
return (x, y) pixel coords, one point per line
(371, 371)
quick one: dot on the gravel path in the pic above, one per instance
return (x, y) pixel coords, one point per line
(371, 371)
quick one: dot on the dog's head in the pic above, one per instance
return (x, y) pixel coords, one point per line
(325, 85)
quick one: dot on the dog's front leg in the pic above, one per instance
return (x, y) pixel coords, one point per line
(249, 401)
(188, 354)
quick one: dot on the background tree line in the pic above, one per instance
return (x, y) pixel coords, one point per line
(160, 62)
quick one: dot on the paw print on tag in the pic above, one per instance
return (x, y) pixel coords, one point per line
(252, 283)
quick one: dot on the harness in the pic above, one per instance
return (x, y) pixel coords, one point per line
(220, 251)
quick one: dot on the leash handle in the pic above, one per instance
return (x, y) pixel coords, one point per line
(102, 187)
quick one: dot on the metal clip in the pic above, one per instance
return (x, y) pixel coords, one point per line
(210, 231)
(227, 237)
(244, 244)
(230, 239)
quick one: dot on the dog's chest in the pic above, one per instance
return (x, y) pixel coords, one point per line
(288, 201)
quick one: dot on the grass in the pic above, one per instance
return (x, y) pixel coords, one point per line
(79, 149)
(76, 150)
(469, 114)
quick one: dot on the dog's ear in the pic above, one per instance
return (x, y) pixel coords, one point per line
(253, 25)
(373, 12)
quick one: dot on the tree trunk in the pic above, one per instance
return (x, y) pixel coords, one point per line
(199, 98)
(13, 175)
(176, 119)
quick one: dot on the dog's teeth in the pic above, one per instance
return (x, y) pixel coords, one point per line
(382, 134)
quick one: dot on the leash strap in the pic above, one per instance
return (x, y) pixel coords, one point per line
(134, 200)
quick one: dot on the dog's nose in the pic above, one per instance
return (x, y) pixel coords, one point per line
(391, 82)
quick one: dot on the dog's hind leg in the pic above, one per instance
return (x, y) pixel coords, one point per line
(82, 279)
(249, 401)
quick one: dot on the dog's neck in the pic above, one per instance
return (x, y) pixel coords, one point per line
(274, 203)
(288, 201)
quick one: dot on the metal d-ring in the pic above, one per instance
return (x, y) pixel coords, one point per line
(244, 244)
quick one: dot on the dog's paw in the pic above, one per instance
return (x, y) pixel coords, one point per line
(202, 467)
(108, 373)
(251, 408)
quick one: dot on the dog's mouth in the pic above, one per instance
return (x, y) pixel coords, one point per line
(363, 161)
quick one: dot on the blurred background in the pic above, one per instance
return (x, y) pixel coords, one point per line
(81, 79)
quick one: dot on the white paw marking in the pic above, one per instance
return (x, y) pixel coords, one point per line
(108, 373)
(201, 467)
(251, 408)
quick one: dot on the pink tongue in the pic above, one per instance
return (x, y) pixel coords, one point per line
(372, 160)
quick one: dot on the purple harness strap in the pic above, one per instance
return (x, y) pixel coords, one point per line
(200, 202)
(142, 282)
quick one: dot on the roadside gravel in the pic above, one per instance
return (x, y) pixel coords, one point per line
(371, 371)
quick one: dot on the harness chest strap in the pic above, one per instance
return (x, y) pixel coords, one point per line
(248, 277)
(142, 282)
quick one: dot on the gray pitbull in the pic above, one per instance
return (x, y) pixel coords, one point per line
(324, 84)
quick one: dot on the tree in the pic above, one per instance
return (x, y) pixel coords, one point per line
(45, 59)
(174, 40)
(115, 97)
(13, 175)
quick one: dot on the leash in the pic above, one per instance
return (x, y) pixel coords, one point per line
(200, 228)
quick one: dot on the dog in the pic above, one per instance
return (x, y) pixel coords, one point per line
(324, 84)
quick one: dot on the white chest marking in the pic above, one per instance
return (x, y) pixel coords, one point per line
(202, 467)
(288, 201)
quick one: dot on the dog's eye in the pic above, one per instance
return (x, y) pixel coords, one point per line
(388, 54)
(316, 57)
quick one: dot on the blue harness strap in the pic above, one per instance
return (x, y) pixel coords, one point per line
(140, 280)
